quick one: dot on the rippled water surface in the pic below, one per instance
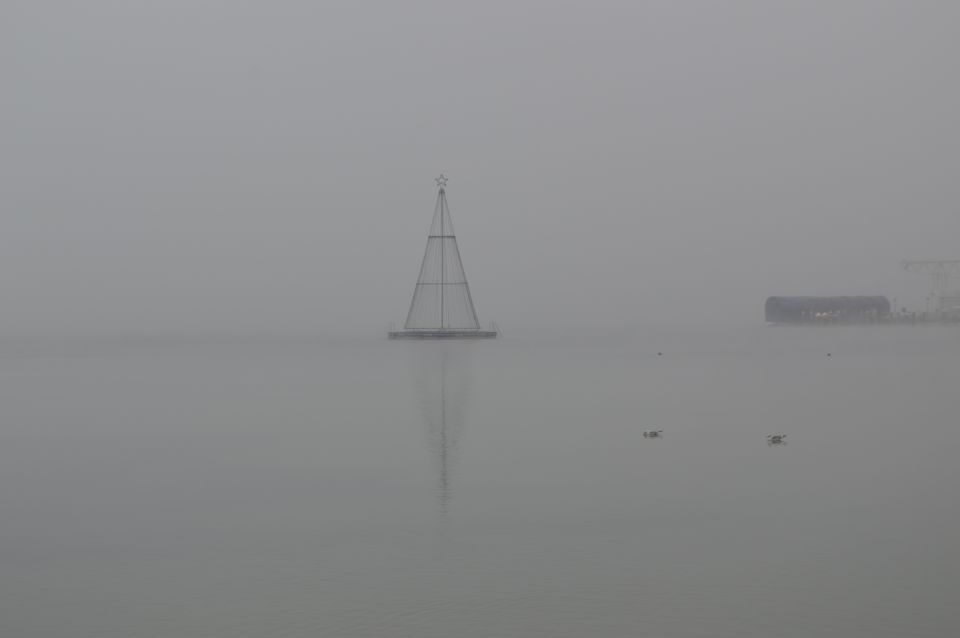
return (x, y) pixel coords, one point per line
(309, 487)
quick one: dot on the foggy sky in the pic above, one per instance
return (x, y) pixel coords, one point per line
(241, 166)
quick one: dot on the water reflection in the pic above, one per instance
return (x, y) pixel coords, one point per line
(443, 381)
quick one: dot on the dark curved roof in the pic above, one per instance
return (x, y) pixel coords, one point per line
(785, 309)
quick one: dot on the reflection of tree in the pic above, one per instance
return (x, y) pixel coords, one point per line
(443, 387)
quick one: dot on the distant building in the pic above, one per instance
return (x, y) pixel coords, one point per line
(863, 309)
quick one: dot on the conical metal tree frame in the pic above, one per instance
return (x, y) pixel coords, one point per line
(442, 306)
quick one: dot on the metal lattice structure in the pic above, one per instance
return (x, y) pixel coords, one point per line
(442, 305)
(941, 272)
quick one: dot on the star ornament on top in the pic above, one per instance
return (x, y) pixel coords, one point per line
(441, 181)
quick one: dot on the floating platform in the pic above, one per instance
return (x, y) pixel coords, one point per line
(442, 334)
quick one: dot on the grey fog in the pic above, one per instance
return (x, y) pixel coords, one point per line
(213, 211)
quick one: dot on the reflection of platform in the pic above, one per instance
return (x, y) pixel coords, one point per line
(442, 334)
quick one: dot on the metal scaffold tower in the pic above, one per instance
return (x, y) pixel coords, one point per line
(941, 271)
(442, 306)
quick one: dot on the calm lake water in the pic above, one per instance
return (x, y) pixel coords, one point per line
(307, 487)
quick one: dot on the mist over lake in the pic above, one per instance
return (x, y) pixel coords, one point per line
(231, 403)
(380, 488)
